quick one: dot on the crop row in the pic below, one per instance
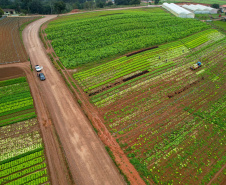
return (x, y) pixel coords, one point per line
(107, 36)
(104, 98)
(11, 45)
(29, 177)
(21, 160)
(27, 164)
(12, 81)
(170, 46)
(15, 100)
(124, 66)
(14, 88)
(158, 169)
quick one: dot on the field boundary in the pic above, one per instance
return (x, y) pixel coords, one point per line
(127, 169)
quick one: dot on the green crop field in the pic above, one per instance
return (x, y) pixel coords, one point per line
(91, 37)
(168, 119)
(220, 24)
(22, 158)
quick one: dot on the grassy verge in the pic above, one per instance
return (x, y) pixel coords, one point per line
(24, 25)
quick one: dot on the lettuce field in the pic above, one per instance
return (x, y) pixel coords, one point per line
(22, 158)
(168, 119)
(86, 38)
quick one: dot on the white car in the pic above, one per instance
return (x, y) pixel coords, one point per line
(38, 68)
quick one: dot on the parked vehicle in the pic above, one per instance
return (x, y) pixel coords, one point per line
(41, 76)
(38, 68)
(196, 66)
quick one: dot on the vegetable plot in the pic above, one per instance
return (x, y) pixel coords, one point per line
(101, 76)
(15, 106)
(22, 158)
(168, 119)
(80, 40)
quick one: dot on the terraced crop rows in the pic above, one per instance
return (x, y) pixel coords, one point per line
(169, 120)
(22, 158)
(79, 40)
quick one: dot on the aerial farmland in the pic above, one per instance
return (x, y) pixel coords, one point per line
(133, 96)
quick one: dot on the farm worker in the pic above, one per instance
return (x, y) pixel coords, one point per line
(166, 60)
(159, 57)
(183, 51)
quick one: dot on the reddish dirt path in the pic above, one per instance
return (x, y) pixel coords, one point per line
(56, 165)
(87, 158)
(216, 175)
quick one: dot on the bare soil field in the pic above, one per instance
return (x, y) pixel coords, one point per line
(11, 45)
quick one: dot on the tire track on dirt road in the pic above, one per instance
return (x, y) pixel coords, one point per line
(87, 158)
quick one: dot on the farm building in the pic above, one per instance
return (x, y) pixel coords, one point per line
(200, 9)
(223, 8)
(9, 11)
(178, 11)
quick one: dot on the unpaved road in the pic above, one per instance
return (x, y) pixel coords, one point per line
(87, 158)
(56, 165)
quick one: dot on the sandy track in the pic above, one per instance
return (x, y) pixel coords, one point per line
(87, 158)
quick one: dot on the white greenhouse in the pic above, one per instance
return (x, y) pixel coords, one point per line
(200, 9)
(178, 11)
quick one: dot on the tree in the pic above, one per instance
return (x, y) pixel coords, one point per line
(59, 6)
(5, 3)
(1, 12)
(36, 7)
(157, 1)
(109, 3)
(26, 4)
(217, 6)
(88, 5)
(100, 4)
(122, 2)
(136, 2)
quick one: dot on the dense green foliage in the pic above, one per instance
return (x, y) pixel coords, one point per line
(22, 158)
(1, 12)
(217, 6)
(12, 103)
(148, 60)
(80, 40)
(168, 119)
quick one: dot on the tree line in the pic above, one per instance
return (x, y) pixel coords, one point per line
(59, 6)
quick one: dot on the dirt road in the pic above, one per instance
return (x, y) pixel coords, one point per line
(87, 158)
(56, 165)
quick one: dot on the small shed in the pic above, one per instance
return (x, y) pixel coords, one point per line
(223, 7)
(9, 12)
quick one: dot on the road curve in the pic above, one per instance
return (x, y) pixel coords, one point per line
(87, 158)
